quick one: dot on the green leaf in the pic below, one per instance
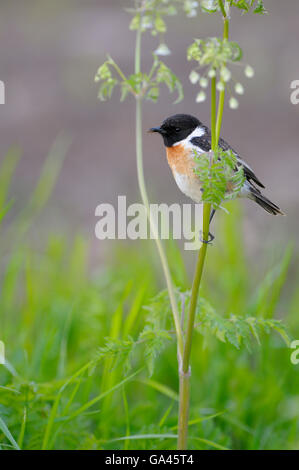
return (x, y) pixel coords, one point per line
(153, 94)
(166, 76)
(125, 89)
(164, 389)
(103, 72)
(107, 88)
(135, 23)
(260, 9)
(237, 330)
(214, 52)
(145, 436)
(99, 397)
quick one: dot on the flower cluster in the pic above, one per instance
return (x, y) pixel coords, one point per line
(256, 6)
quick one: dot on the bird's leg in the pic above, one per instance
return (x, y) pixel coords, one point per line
(210, 235)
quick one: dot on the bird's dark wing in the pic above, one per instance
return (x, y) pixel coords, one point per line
(204, 144)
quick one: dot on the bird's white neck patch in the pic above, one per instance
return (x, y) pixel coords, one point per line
(198, 132)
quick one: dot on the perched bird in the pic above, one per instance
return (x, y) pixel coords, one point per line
(182, 134)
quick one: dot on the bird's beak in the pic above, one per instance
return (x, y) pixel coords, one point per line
(157, 129)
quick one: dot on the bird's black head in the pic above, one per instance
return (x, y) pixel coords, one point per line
(176, 128)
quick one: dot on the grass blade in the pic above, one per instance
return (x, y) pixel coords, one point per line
(8, 434)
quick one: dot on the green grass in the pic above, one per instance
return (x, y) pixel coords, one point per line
(66, 387)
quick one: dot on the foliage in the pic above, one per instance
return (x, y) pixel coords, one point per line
(235, 329)
(139, 84)
(214, 52)
(256, 6)
(215, 56)
(148, 15)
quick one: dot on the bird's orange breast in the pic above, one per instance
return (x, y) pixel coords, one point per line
(180, 160)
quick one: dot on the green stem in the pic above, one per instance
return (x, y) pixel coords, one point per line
(219, 116)
(222, 93)
(195, 288)
(221, 4)
(138, 51)
(183, 410)
(213, 112)
(143, 192)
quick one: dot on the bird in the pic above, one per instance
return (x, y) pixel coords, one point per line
(184, 134)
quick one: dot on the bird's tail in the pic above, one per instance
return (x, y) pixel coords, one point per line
(265, 203)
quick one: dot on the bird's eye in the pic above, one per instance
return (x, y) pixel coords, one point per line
(177, 129)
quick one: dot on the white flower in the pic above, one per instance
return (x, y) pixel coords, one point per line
(233, 103)
(212, 73)
(201, 96)
(194, 77)
(209, 5)
(192, 13)
(162, 49)
(203, 82)
(239, 89)
(225, 74)
(249, 71)
(220, 86)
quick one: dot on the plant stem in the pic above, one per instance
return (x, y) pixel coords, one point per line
(195, 286)
(183, 409)
(138, 51)
(144, 197)
(222, 8)
(213, 112)
(185, 371)
(117, 68)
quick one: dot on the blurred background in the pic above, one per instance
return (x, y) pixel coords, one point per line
(49, 53)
